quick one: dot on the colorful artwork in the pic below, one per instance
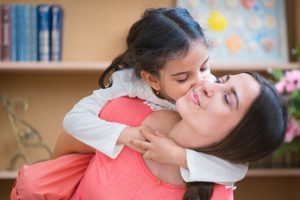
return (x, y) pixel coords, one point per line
(241, 31)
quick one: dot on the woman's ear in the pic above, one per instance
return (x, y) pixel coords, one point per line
(151, 80)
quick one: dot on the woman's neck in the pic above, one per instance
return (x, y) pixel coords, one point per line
(164, 121)
(179, 128)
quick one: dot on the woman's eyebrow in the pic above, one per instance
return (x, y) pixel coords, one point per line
(233, 91)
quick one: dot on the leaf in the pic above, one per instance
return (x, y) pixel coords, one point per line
(280, 152)
(293, 146)
(296, 51)
(294, 104)
(277, 74)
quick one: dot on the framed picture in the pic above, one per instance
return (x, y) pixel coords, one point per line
(242, 31)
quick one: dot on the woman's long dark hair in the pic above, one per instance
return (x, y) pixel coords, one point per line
(259, 133)
(161, 34)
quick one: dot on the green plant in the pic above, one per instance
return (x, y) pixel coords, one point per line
(288, 85)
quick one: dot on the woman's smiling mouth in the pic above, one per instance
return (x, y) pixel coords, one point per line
(195, 98)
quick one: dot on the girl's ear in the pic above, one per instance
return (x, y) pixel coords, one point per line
(151, 80)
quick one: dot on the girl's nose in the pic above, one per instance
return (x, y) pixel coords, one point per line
(201, 75)
(207, 87)
(205, 75)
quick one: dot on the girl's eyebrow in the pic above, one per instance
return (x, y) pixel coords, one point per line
(179, 73)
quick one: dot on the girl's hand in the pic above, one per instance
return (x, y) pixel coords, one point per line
(161, 149)
(130, 133)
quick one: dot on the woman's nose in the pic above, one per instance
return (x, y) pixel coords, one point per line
(213, 88)
(207, 87)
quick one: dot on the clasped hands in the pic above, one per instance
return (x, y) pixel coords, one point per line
(153, 145)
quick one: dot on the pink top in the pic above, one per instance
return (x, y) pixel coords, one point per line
(127, 177)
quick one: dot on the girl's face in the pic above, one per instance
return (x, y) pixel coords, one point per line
(179, 75)
(211, 110)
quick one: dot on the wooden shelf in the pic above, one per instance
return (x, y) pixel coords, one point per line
(251, 173)
(253, 66)
(53, 66)
(274, 173)
(96, 66)
(8, 174)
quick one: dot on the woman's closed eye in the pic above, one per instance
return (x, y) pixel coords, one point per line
(230, 96)
(223, 79)
(226, 98)
(231, 100)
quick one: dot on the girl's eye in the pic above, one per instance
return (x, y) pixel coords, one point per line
(182, 80)
(203, 68)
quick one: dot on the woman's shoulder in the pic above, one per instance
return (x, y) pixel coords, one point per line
(125, 110)
(162, 120)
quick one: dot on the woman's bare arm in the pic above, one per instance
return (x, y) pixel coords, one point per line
(66, 144)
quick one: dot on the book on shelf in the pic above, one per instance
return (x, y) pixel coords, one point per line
(13, 33)
(43, 13)
(20, 9)
(27, 32)
(31, 32)
(56, 32)
(0, 33)
(5, 33)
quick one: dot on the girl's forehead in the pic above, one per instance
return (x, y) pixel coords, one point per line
(194, 58)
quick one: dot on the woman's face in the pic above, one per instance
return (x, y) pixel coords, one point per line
(179, 75)
(211, 110)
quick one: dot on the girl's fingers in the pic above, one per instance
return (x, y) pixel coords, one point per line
(159, 134)
(147, 155)
(141, 144)
(142, 151)
(148, 135)
(147, 129)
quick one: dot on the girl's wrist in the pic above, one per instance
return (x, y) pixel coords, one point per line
(123, 137)
(180, 157)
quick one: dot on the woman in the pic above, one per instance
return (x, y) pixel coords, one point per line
(227, 110)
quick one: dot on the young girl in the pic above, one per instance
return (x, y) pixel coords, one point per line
(166, 55)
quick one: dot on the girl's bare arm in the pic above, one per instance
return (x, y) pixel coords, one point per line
(66, 144)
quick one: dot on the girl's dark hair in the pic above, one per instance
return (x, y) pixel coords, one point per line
(161, 34)
(259, 133)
